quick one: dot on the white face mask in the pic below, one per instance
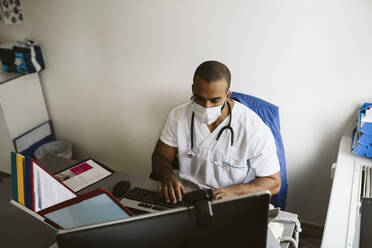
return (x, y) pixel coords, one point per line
(206, 115)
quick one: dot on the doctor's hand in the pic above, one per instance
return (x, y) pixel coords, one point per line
(227, 192)
(172, 189)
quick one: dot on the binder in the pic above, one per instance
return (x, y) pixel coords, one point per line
(28, 183)
(13, 159)
(20, 179)
(28, 142)
(38, 192)
(34, 187)
(39, 187)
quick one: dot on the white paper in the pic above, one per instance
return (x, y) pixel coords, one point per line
(85, 178)
(48, 191)
(366, 118)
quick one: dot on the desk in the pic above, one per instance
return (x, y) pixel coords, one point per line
(15, 220)
(34, 233)
(37, 234)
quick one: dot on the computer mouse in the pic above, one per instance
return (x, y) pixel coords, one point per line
(120, 188)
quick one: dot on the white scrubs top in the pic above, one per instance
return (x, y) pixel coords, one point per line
(217, 163)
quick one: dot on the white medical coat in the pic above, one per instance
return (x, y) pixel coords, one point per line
(217, 163)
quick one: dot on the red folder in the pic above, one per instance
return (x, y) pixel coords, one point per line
(33, 162)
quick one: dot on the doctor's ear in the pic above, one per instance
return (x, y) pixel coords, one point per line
(228, 95)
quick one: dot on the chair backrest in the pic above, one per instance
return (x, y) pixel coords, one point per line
(269, 113)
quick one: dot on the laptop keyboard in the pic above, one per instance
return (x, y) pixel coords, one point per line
(150, 199)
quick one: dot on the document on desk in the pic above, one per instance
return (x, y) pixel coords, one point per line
(47, 190)
(84, 174)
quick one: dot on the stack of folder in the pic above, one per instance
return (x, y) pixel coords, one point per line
(39, 193)
(362, 136)
(33, 186)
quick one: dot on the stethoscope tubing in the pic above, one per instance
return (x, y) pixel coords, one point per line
(227, 127)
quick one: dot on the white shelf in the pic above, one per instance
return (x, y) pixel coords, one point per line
(22, 107)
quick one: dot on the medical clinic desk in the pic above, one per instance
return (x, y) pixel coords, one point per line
(19, 229)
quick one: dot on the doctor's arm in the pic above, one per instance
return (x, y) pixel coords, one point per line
(271, 183)
(162, 170)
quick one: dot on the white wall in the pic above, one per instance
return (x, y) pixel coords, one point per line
(115, 68)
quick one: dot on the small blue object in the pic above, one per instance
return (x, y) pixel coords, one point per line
(365, 139)
(22, 68)
(367, 128)
(362, 135)
(363, 150)
(269, 113)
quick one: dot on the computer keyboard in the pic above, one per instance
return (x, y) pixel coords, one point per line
(150, 199)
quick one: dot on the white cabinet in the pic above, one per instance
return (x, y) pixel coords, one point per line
(342, 225)
(22, 107)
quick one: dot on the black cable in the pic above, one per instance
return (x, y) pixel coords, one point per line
(192, 131)
(228, 126)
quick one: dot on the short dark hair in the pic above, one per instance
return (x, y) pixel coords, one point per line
(211, 71)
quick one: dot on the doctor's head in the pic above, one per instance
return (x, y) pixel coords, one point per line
(211, 84)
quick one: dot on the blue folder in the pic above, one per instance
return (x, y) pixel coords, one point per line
(29, 151)
(13, 157)
(28, 182)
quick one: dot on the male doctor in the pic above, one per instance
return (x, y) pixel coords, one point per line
(238, 160)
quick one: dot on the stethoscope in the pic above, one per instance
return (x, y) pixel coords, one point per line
(191, 153)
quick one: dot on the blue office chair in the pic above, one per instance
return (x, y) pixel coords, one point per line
(269, 113)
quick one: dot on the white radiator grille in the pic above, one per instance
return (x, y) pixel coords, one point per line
(361, 187)
(366, 190)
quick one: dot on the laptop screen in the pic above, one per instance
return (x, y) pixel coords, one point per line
(98, 209)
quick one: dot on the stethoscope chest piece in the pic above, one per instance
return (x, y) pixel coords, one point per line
(191, 153)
